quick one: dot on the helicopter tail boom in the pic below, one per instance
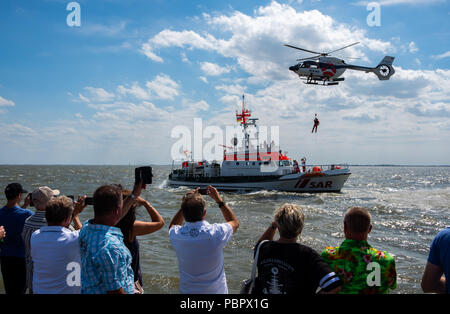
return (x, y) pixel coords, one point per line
(384, 70)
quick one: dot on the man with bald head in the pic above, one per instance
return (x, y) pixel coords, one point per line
(362, 268)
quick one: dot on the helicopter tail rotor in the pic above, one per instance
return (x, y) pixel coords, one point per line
(384, 70)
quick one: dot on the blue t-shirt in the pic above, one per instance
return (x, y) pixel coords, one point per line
(13, 219)
(440, 253)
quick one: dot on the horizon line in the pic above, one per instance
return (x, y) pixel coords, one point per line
(157, 164)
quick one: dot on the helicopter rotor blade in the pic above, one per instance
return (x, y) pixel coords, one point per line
(315, 52)
(342, 48)
(314, 57)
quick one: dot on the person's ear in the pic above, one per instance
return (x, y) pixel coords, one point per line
(345, 228)
(204, 214)
(370, 228)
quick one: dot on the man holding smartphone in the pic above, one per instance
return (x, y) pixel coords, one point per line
(199, 245)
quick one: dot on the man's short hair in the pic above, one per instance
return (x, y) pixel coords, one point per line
(58, 209)
(290, 220)
(193, 207)
(13, 190)
(357, 219)
(106, 199)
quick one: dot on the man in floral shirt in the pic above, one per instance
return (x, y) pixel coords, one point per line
(361, 268)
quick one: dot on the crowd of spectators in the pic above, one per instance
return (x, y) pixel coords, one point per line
(43, 251)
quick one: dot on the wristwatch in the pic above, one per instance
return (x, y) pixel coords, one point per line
(221, 204)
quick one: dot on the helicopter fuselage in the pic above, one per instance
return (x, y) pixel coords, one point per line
(324, 69)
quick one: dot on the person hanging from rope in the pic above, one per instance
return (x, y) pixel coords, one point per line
(316, 123)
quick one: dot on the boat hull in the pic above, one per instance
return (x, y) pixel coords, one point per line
(300, 183)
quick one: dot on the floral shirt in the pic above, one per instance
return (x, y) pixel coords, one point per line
(361, 268)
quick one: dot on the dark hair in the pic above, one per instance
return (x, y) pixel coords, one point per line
(106, 199)
(13, 190)
(58, 209)
(193, 207)
(357, 219)
(126, 224)
(11, 195)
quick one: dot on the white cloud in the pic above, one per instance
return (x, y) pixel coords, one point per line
(213, 69)
(199, 106)
(204, 79)
(184, 58)
(163, 87)
(413, 47)
(135, 90)
(442, 56)
(85, 99)
(6, 103)
(256, 42)
(234, 89)
(97, 94)
(148, 51)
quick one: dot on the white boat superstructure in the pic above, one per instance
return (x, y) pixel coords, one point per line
(263, 168)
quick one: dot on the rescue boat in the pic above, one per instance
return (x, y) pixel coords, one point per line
(265, 168)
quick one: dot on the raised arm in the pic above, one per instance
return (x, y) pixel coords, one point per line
(178, 219)
(79, 205)
(130, 200)
(144, 227)
(269, 233)
(227, 213)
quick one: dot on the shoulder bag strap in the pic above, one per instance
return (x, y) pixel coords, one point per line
(255, 265)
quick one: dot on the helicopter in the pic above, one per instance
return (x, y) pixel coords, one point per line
(328, 70)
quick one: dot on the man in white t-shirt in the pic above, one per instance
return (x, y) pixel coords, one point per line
(199, 245)
(55, 250)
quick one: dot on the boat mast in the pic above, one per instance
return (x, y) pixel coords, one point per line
(244, 119)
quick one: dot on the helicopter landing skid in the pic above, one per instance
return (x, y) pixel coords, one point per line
(312, 81)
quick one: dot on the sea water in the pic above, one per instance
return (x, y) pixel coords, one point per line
(409, 206)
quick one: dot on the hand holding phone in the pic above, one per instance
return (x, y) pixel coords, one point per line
(143, 174)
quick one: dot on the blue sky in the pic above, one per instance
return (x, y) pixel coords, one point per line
(111, 90)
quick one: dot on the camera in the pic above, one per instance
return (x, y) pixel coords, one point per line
(143, 174)
(203, 191)
(89, 201)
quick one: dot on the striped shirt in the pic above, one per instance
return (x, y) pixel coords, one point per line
(33, 223)
(105, 260)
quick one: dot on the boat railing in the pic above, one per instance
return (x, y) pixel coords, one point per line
(319, 168)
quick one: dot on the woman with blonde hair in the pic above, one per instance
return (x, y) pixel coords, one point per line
(286, 266)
